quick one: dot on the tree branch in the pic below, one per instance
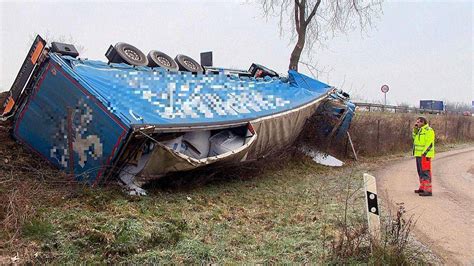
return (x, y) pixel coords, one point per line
(302, 8)
(354, 5)
(297, 20)
(313, 12)
(312, 25)
(298, 3)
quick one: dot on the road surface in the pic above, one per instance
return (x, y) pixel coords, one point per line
(445, 220)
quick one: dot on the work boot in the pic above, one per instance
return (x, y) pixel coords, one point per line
(418, 190)
(425, 193)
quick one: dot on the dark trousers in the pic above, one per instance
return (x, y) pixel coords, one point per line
(423, 166)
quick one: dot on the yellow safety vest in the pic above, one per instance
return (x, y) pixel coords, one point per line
(423, 141)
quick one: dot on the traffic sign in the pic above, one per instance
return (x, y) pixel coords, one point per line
(384, 88)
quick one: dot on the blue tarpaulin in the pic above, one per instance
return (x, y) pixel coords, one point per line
(158, 97)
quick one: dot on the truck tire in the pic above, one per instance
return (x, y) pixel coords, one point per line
(160, 59)
(130, 54)
(186, 63)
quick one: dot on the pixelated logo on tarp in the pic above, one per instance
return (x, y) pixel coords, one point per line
(72, 132)
(203, 96)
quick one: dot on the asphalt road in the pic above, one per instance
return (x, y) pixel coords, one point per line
(445, 221)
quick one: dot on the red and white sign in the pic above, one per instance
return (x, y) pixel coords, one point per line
(384, 88)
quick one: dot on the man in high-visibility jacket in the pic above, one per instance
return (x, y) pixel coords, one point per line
(423, 150)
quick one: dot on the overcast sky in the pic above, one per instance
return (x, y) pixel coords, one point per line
(422, 49)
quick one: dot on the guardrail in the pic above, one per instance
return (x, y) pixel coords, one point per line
(397, 109)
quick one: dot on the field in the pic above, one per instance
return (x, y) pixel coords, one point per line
(280, 210)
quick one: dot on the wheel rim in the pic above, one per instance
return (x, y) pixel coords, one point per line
(132, 54)
(190, 64)
(164, 61)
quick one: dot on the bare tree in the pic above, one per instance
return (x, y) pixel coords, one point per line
(457, 106)
(315, 21)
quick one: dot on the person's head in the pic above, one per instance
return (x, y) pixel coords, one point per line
(421, 121)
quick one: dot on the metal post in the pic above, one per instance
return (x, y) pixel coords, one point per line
(373, 213)
(352, 146)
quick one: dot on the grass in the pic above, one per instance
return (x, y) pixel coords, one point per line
(37, 229)
(285, 214)
(282, 212)
(289, 213)
(376, 133)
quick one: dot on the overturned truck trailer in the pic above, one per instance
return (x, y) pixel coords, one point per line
(104, 119)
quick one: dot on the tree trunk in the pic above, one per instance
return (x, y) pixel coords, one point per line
(296, 54)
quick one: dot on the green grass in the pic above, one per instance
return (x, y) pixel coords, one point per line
(37, 229)
(283, 214)
(286, 212)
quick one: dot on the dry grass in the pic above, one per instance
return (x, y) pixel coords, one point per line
(377, 133)
(287, 210)
(22, 181)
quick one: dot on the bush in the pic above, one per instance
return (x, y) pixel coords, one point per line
(354, 244)
(377, 133)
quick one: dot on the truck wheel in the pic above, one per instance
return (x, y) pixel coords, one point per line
(186, 63)
(130, 54)
(160, 59)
